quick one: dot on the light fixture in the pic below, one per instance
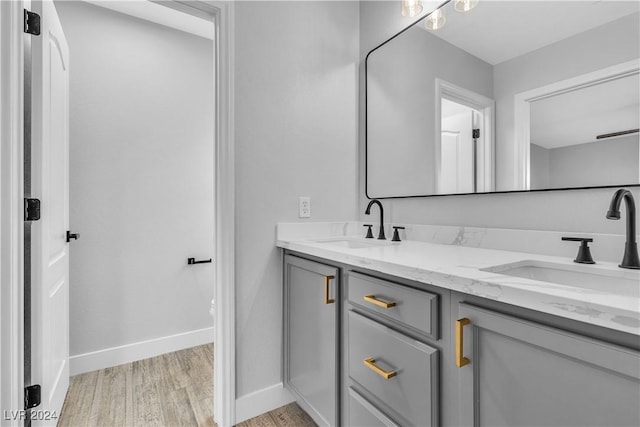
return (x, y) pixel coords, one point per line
(411, 8)
(465, 5)
(436, 20)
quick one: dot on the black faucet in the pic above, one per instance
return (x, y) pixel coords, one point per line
(630, 258)
(368, 211)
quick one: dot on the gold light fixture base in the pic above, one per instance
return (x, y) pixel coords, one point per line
(411, 8)
(465, 5)
(435, 20)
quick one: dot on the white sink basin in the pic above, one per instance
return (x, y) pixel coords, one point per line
(354, 243)
(611, 281)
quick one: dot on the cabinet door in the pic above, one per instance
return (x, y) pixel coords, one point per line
(311, 337)
(524, 374)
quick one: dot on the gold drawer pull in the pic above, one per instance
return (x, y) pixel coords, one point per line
(371, 364)
(380, 303)
(328, 300)
(460, 359)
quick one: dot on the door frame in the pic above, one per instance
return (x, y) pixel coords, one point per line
(224, 406)
(11, 211)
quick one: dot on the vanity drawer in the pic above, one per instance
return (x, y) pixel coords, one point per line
(363, 414)
(415, 309)
(399, 371)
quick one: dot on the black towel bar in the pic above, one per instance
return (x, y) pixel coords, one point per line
(191, 261)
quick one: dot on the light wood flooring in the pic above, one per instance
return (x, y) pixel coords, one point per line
(174, 389)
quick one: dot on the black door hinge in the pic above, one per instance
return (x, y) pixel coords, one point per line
(31, 209)
(31, 23)
(32, 396)
(476, 134)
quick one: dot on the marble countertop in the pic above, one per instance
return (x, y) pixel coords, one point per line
(459, 268)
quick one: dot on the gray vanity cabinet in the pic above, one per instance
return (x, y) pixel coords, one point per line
(520, 373)
(311, 337)
(367, 349)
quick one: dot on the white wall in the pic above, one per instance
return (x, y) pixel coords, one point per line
(141, 178)
(296, 130)
(573, 210)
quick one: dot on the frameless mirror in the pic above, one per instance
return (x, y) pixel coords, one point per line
(508, 96)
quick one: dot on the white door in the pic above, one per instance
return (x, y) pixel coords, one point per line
(456, 163)
(50, 183)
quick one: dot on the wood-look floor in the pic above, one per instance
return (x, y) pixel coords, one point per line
(174, 389)
(287, 416)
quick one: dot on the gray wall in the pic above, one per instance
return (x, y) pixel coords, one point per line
(576, 210)
(608, 162)
(137, 115)
(296, 95)
(401, 93)
(538, 167)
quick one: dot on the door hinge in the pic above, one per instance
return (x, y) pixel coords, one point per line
(31, 209)
(476, 134)
(31, 23)
(32, 396)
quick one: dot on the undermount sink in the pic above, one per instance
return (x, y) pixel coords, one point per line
(354, 243)
(580, 276)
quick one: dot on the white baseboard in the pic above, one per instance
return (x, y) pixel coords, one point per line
(113, 356)
(261, 401)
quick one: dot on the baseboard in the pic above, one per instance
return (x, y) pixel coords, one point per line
(261, 401)
(113, 356)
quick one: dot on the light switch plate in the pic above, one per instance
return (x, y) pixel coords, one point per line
(304, 207)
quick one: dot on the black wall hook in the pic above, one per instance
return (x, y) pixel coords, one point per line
(191, 261)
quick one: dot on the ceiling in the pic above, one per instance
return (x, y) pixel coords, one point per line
(496, 31)
(574, 118)
(162, 14)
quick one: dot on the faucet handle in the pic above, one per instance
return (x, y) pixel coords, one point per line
(396, 235)
(369, 232)
(584, 253)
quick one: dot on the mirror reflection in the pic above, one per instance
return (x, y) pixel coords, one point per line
(507, 96)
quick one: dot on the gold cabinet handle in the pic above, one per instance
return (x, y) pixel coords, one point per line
(380, 303)
(371, 364)
(328, 300)
(460, 359)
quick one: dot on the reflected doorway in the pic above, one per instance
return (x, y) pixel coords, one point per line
(464, 149)
(461, 131)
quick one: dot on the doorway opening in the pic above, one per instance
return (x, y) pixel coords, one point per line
(143, 129)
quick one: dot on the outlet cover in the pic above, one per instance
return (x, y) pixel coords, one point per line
(304, 207)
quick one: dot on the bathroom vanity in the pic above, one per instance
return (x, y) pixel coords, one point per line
(416, 333)
(509, 333)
